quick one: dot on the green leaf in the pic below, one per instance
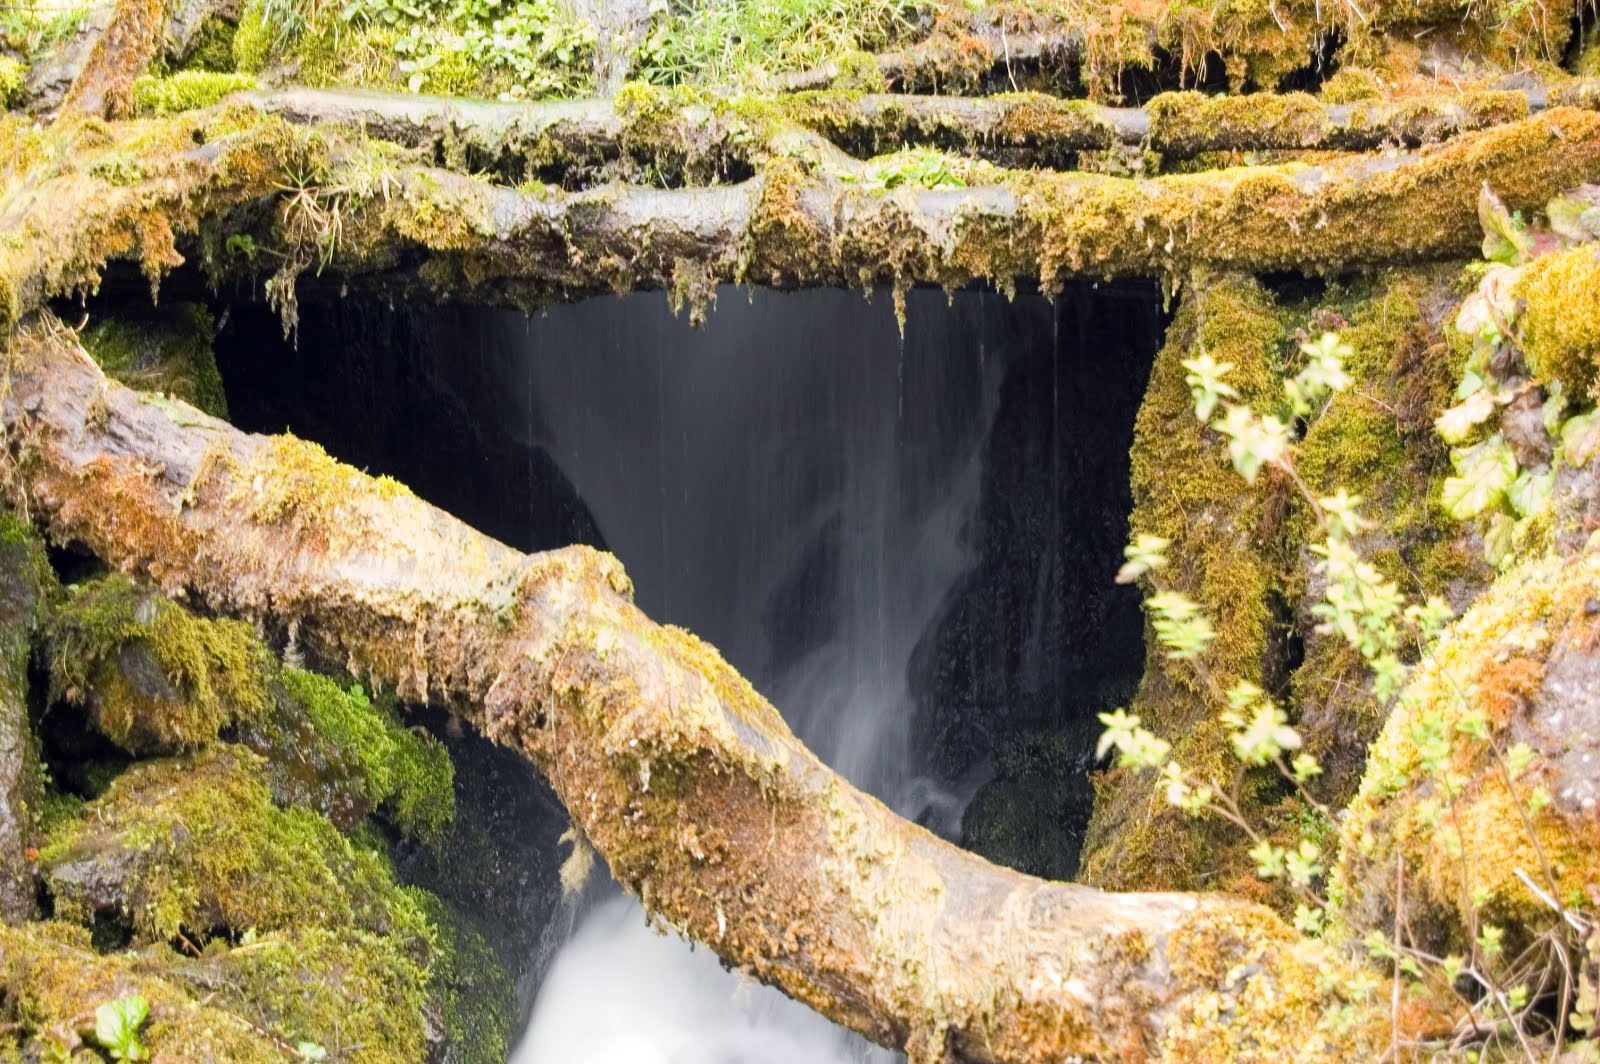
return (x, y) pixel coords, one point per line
(1457, 423)
(116, 1027)
(1505, 236)
(1484, 473)
(311, 1051)
(1530, 492)
(1579, 438)
(1575, 215)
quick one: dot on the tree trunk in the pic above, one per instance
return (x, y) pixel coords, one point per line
(685, 779)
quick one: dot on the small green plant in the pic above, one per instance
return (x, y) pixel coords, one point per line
(116, 1027)
(1501, 995)
(920, 168)
(536, 48)
(241, 246)
(718, 41)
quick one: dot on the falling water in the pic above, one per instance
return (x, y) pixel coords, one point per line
(797, 494)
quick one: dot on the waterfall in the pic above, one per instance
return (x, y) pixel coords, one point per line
(793, 483)
(906, 542)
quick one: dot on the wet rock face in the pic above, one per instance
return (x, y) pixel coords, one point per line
(1566, 729)
(500, 863)
(1038, 639)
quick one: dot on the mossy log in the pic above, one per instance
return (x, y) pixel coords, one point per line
(812, 217)
(787, 227)
(1019, 129)
(685, 779)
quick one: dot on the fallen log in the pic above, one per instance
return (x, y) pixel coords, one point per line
(811, 215)
(1022, 129)
(790, 227)
(688, 782)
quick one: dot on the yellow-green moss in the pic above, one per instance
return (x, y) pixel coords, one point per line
(167, 351)
(296, 481)
(186, 90)
(212, 46)
(1223, 555)
(1376, 440)
(13, 71)
(196, 844)
(252, 41)
(411, 775)
(1589, 58)
(52, 980)
(470, 983)
(1186, 122)
(210, 673)
(1560, 328)
(360, 995)
(1462, 860)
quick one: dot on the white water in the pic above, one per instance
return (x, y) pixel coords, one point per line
(792, 483)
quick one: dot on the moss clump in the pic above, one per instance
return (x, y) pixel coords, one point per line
(1521, 665)
(13, 72)
(1561, 324)
(169, 352)
(470, 983)
(1188, 122)
(1376, 440)
(155, 676)
(298, 482)
(410, 775)
(186, 90)
(287, 923)
(52, 980)
(252, 40)
(212, 46)
(1223, 555)
(362, 996)
(196, 844)
(1589, 58)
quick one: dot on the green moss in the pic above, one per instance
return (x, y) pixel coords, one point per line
(154, 675)
(1224, 555)
(196, 844)
(168, 351)
(252, 41)
(52, 980)
(467, 978)
(1589, 58)
(212, 46)
(1561, 325)
(186, 90)
(1187, 122)
(411, 775)
(13, 72)
(362, 996)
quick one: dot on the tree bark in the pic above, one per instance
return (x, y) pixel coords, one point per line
(685, 779)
